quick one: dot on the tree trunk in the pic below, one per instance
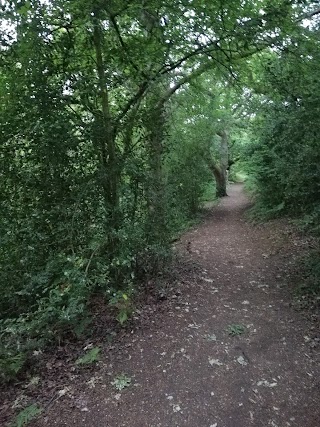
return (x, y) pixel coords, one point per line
(106, 142)
(156, 193)
(220, 178)
(220, 172)
(224, 157)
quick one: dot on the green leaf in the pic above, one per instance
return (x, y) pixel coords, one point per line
(27, 415)
(121, 381)
(122, 317)
(235, 330)
(11, 365)
(23, 10)
(91, 357)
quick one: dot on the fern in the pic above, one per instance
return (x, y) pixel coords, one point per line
(91, 357)
(26, 415)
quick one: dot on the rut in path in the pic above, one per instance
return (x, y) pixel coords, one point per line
(186, 370)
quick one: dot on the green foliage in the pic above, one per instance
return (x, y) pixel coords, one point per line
(236, 330)
(308, 292)
(54, 304)
(121, 382)
(285, 153)
(27, 415)
(187, 181)
(122, 301)
(10, 364)
(90, 357)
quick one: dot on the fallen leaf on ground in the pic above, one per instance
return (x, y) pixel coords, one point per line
(241, 360)
(267, 384)
(216, 362)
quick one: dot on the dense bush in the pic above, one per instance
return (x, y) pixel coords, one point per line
(285, 157)
(58, 247)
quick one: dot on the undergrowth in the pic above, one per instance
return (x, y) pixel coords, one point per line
(307, 293)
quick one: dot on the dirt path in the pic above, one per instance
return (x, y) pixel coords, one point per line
(186, 370)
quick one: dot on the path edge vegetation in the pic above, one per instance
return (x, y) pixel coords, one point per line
(99, 173)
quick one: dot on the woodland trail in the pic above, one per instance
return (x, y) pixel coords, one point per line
(186, 369)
